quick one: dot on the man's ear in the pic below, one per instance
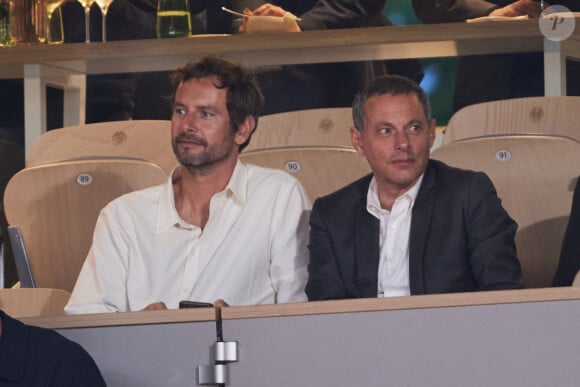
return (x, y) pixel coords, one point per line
(245, 130)
(356, 139)
(432, 132)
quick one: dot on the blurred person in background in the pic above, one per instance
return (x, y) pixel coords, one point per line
(482, 78)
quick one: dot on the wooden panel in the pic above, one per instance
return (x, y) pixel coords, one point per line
(496, 297)
(416, 41)
(20, 303)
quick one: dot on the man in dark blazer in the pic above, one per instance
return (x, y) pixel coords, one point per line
(414, 226)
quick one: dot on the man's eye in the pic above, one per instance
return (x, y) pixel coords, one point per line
(179, 111)
(414, 128)
(385, 130)
(205, 113)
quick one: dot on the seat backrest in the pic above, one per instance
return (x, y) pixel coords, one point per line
(541, 115)
(311, 127)
(535, 177)
(35, 302)
(56, 207)
(148, 140)
(321, 170)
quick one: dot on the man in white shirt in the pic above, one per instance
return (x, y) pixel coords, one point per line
(218, 229)
(415, 225)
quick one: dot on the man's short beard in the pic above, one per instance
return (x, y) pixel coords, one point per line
(202, 163)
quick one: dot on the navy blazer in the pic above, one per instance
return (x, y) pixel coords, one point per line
(461, 239)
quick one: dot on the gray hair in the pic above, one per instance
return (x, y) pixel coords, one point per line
(391, 85)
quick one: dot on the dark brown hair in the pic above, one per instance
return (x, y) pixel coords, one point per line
(244, 97)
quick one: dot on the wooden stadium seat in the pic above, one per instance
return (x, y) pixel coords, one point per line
(37, 302)
(52, 209)
(311, 127)
(537, 115)
(321, 170)
(535, 176)
(148, 140)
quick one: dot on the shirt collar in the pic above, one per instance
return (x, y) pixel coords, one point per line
(167, 215)
(374, 204)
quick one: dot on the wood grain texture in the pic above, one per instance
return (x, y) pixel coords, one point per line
(33, 302)
(321, 170)
(311, 308)
(57, 214)
(148, 140)
(311, 127)
(535, 185)
(123, 318)
(397, 42)
(533, 115)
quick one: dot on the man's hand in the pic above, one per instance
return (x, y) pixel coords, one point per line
(220, 303)
(156, 306)
(519, 8)
(268, 9)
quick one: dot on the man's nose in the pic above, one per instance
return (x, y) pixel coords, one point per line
(401, 140)
(189, 123)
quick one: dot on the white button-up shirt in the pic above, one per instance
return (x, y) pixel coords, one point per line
(395, 227)
(251, 251)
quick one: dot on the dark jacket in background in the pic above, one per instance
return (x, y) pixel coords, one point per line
(482, 78)
(296, 87)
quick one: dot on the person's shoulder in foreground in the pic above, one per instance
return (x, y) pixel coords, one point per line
(415, 225)
(33, 356)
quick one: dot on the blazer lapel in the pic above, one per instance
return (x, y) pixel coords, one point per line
(366, 248)
(419, 233)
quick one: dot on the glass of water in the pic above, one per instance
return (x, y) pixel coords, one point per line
(173, 19)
